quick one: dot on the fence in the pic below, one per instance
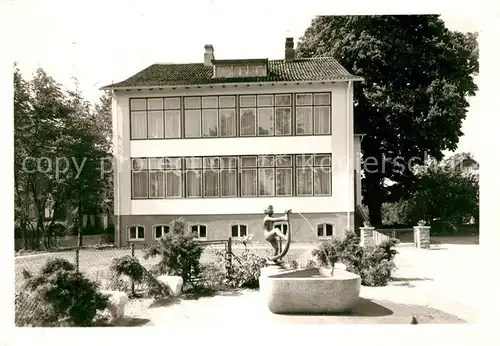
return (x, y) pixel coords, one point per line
(70, 241)
(404, 235)
(95, 262)
(418, 236)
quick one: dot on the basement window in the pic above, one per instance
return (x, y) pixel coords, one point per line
(324, 230)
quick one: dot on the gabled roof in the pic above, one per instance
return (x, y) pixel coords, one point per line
(298, 70)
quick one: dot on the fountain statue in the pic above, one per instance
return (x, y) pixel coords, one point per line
(272, 234)
(303, 290)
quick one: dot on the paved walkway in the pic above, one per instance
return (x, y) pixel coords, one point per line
(437, 286)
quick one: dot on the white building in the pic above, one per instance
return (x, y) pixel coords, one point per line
(217, 142)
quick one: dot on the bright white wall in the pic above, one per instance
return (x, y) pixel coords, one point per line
(342, 199)
(208, 206)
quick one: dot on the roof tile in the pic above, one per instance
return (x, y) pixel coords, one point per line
(310, 69)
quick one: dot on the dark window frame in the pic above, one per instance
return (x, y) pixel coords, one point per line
(239, 229)
(324, 227)
(237, 168)
(129, 227)
(199, 227)
(237, 115)
(163, 232)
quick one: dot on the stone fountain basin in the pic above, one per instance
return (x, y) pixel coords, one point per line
(312, 291)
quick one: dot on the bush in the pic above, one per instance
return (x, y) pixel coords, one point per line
(179, 251)
(245, 270)
(375, 272)
(373, 264)
(328, 253)
(64, 293)
(129, 266)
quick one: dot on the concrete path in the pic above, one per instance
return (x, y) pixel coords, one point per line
(437, 286)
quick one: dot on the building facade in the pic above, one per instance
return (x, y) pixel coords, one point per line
(217, 142)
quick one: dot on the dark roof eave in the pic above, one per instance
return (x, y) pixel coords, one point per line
(347, 79)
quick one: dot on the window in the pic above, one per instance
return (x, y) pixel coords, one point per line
(138, 126)
(227, 125)
(210, 126)
(135, 232)
(210, 116)
(256, 70)
(324, 230)
(313, 175)
(248, 176)
(266, 121)
(322, 175)
(139, 178)
(238, 231)
(284, 175)
(266, 175)
(194, 179)
(228, 177)
(155, 118)
(283, 121)
(232, 176)
(211, 176)
(156, 178)
(240, 71)
(160, 230)
(173, 173)
(223, 71)
(227, 116)
(312, 114)
(217, 116)
(172, 117)
(274, 115)
(199, 230)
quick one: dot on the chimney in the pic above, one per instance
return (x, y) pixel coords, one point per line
(289, 51)
(209, 55)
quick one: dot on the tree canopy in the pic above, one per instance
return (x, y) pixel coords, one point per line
(60, 141)
(447, 195)
(417, 77)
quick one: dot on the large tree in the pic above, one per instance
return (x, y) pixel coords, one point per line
(61, 141)
(417, 77)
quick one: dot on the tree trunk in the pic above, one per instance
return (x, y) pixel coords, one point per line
(375, 213)
(373, 198)
(25, 234)
(79, 224)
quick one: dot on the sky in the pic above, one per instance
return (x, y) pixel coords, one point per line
(105, 41)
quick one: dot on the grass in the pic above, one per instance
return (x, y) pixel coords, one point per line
(95, 263)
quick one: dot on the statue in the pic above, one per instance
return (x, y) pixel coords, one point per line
(272, 234)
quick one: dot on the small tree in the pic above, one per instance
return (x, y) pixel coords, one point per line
(179, 251)
(64, 293)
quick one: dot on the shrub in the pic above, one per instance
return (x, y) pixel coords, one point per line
(245, 270)
(179, 251)
(64, 293)
(374, 264)
(129, 266)
(328, 253)
(375, 272)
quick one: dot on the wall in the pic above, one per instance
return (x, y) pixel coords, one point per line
(342, 199)
(357, 167)
(218, 226)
